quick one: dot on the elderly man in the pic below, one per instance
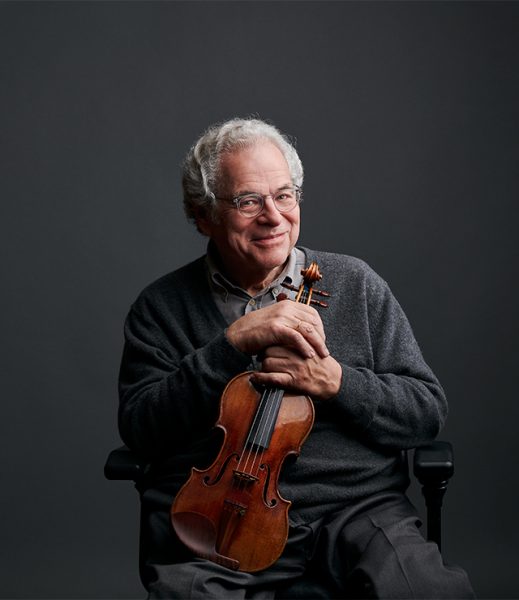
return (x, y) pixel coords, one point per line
(352, 528)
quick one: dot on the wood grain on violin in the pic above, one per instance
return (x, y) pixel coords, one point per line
(232, 513)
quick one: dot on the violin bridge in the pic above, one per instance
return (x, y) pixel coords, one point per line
(245, 477)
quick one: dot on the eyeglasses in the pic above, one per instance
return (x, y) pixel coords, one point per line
(251, 204)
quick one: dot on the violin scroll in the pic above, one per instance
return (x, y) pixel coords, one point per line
(306, 289)
(311, 274)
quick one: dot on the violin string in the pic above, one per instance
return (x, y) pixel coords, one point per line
(257, 434)
(252, 428)
(253, 455)
(264, 409)
(268, 422)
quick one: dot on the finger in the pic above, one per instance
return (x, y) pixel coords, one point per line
(278, 352)
(310, 327)
(308, 318)
(278, 380)
(307, 343)
(298, 316)
(296, 340)
(304, 335)
(280, 364)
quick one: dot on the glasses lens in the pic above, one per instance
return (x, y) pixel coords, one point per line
(286, 199)
(250, 205)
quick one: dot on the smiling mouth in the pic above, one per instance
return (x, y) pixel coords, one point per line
(269, 238)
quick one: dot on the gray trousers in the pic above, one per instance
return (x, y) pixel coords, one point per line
(372, 549)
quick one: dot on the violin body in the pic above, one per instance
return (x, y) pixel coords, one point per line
(232, 512)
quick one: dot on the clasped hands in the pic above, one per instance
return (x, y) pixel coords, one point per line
(289, 337)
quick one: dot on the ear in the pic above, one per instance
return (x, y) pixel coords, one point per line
(204, 222)
(203, 227)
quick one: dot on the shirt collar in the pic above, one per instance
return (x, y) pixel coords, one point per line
(219, 283)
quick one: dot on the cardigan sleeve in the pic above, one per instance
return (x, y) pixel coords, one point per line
(396, 402)
(169, 387)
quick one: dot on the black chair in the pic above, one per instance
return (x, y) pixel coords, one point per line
(433, 466)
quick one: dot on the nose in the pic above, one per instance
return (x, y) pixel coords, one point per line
(270, 214)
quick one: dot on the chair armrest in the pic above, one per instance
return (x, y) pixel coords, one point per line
(433, 466)
(122, 464)
(434, 463)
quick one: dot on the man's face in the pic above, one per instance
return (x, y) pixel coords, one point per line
(253, 250)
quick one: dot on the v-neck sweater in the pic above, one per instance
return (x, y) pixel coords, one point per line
(177, 361)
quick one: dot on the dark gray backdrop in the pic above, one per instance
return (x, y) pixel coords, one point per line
(406, 118)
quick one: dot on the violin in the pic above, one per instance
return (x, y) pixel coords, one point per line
(232, 513)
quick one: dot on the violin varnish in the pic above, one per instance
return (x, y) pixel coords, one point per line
(232, 512)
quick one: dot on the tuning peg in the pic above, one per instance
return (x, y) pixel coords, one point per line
(321, 293)
(289, 286)
(281, 297)
(319, 303)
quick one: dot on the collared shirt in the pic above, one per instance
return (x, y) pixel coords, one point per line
(234, 302)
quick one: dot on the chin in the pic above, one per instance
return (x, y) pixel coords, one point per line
(274, 257)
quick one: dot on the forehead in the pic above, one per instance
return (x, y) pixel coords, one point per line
(257, 167)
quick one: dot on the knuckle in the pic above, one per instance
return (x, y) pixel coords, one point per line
(278, 329)
(285, 307)
(313, 312)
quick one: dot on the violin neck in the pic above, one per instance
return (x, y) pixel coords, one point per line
(265, 419)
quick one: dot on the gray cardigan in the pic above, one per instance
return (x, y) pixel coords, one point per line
(177, 361)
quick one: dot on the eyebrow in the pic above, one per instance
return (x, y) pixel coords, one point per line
(245, 191)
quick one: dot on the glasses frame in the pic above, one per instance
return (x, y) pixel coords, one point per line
(262, 197)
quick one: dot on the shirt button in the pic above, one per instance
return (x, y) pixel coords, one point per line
(252, 302)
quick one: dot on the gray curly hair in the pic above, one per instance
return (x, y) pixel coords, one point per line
(200, 170)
